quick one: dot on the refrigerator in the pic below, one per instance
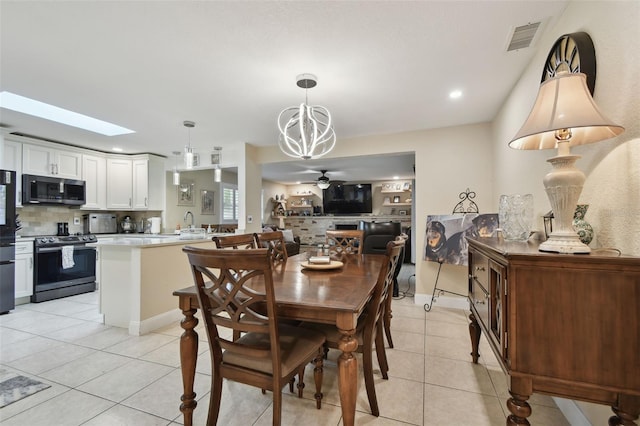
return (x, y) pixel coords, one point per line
(7, 240)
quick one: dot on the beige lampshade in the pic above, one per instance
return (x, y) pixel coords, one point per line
(564, 102)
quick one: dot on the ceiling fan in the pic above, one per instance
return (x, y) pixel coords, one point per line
(323, 182)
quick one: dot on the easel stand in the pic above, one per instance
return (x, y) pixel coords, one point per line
(438, 291)
(459, 208)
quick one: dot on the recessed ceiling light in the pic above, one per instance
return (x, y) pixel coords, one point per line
(455, 94)
(116, 149)
(396, 177)
(24, 105)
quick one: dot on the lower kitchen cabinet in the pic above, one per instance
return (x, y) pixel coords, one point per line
(559, 324)
(24, 269)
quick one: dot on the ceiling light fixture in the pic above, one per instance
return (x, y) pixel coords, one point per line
(455, 94)
(188, 151)
(176, 173)
(306, 131)
(217, 172)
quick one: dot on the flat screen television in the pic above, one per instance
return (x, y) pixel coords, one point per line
(347, 199)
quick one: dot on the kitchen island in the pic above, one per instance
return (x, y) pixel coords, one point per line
(137, 276)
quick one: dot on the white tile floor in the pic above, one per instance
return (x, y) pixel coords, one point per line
(100, 375)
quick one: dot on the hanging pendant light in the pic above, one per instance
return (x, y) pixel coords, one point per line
(217, 172)
(306, 131)
(176, 173)
(188, 151)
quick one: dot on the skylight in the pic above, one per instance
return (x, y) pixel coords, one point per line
(24, 105)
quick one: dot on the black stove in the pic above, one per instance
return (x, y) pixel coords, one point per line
(57, 240)
(64, 265)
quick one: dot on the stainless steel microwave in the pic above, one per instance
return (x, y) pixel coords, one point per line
(52, 190)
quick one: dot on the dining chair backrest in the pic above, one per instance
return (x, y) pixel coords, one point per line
(274, 241)
(344, 241)
(377, 305)
(236, 241)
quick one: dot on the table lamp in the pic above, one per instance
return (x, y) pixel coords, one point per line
(564, 115)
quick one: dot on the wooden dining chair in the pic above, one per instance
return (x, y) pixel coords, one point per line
(370, 325)
(236, 241)
(344, 241)
(402, 238)
(268, 355)
(274, 241)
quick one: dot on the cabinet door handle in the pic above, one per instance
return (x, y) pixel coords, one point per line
(31, 263)
(145, 202)
(129, 202)
(480, 268)
(480, 302)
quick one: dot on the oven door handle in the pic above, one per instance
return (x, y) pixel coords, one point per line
(54, 249)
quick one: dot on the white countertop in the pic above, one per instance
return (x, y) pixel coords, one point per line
(149, 240)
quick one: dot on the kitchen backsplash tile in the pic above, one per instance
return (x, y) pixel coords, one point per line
(42, 220)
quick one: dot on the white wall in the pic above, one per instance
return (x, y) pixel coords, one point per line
(612, 188)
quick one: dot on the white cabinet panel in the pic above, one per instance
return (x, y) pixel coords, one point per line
(94, 173)
(119, 183)
(24, 269)
(45, 160)
(140, 184)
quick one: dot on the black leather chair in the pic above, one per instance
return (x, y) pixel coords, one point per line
(375, 239)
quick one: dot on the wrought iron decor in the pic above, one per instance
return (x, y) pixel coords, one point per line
(468, 196)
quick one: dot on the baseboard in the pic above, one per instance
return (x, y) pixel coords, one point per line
(571, 412)
(138, 328)
(456, 302)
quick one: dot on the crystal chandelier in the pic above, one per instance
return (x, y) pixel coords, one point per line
(306, 131)
(188, 151)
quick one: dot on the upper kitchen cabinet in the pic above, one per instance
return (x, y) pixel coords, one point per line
(94, 173)
(12, 160)
(135, 183)
(119, 183)
(51, 160)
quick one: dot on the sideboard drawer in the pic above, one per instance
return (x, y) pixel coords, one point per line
(478, 285)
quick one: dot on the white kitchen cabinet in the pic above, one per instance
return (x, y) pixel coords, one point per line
(24, 269)
(140, 184)
(119, 183)
(12, 160)
(94, 173)
(49, 160)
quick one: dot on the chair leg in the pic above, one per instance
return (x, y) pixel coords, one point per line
(367, 365)
(318, 377)
(387, 321)
(291, 382)
(380, 351)
(300, 380)
(214, 398)
(277, 407)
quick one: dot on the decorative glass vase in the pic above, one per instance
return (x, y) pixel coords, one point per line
(515, 214)
(581, 226)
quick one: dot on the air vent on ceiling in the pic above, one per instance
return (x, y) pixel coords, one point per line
(523, 36)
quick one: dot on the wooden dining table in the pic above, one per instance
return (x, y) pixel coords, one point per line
(332, 296)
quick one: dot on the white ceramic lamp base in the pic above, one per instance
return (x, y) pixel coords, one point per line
(564, 185)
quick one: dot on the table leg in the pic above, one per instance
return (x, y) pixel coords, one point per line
(188, 359)
(474, 332)
(348, 376)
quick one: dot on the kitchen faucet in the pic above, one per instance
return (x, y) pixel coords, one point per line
(192, 220)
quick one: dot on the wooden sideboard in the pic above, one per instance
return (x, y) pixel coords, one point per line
(562, 325)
